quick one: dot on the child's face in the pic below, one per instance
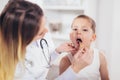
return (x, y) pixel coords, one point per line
(81, 29)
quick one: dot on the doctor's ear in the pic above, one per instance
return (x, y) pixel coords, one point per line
(41, 34)
(37, 37)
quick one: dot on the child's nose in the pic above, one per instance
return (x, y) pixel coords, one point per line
(79, 31)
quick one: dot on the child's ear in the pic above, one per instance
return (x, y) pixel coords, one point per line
(93, 37)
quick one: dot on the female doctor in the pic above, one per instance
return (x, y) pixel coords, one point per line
(39, 55)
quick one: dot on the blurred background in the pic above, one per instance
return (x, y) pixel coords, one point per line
(106, 13)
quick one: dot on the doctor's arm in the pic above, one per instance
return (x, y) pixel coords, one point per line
(64, 47)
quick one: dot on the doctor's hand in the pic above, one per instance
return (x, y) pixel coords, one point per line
(65, 47)
(81, 59)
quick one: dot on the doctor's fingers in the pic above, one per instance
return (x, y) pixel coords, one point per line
(69, 46)
(87, 53)
(66, 44)
(83, 53)
(87, 57)
(64, 48)
(80, 52)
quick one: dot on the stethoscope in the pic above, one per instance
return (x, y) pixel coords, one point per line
(43, 44)
(47, 57)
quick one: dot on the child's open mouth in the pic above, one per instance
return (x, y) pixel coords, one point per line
(79, 41)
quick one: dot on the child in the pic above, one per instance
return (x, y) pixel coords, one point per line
(82, 35)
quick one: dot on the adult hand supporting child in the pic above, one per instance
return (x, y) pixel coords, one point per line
(81, 59)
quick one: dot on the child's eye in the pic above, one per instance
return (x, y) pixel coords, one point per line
(85, 30)
(74, 29)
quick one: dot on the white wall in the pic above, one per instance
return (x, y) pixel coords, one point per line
(104, 26)
(90, 7)
(108, 31)
(2, 4)
(115, 57)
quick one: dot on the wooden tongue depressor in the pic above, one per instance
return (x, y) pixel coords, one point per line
(81, 46)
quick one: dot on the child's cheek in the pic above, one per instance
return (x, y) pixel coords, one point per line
(73, 36)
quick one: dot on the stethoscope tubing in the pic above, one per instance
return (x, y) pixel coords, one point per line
(41, 45)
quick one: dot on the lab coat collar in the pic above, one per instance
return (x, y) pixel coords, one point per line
(38, 41)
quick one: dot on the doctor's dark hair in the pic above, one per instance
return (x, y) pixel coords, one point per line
(19, 24)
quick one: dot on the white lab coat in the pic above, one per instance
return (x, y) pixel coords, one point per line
(36, 66)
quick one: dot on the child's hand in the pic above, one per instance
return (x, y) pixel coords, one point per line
(82, 59)
(65, 47)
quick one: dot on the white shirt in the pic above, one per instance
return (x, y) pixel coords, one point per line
(36, 66)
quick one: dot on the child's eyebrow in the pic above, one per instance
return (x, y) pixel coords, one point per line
(84, 26)
(75, 26)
